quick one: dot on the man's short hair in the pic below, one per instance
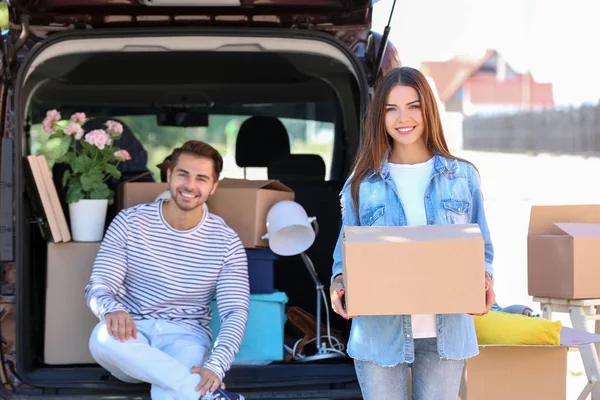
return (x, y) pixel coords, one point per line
(199, 149)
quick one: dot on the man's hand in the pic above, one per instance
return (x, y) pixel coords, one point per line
(120, 325)
(490, 295)
(336, 293)
(209, 381)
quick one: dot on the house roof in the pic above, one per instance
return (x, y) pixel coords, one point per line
(487, 90)
(450, 75)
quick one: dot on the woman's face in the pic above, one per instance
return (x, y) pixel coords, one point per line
(403, 117)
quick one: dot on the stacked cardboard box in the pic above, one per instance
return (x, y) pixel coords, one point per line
(563, 248)
(131, 194)
(69, 322)
(244, 205)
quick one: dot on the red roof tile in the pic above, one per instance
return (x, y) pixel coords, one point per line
(450, 75)
(487, 90)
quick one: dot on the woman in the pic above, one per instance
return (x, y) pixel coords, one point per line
(404, 166)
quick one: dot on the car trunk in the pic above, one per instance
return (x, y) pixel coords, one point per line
(53, 9)
(347, 20)
(329, 15)
(221, 70)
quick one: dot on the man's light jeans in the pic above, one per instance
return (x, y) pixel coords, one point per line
(163, 354)
(432, 378)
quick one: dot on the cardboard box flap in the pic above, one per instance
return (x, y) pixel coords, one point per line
(406, 234)
(271, 184)
(543, 218)
(580, 229)
(570, 337)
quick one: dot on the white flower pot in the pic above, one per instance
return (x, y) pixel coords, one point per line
(87, 220)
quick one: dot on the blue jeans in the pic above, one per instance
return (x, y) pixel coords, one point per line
(432, 377)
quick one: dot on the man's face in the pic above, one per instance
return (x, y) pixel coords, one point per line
(191, 181)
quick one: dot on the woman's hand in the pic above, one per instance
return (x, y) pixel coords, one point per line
(336, 293)
(490, 295)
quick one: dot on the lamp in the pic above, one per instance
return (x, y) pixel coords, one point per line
(290, 232)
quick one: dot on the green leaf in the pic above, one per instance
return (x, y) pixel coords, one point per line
(62, 124)
(75, 193)
(84, 145)
(57, 134)
(112, 171)
(91, 180)
(66, 158)
(100, 192)
(81, 164)
(66, 177)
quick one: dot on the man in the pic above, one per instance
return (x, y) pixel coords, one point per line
(159, 266)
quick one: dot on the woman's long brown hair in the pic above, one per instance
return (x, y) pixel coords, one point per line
(375, 142)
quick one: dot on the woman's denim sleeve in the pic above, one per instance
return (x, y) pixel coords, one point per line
(350, 218)
(478, 217)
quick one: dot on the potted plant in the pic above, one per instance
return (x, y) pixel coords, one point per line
(92, 162)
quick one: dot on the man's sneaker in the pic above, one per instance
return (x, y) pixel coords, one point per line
(221, 394)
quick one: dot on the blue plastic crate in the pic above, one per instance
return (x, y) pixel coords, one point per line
(260, 270)
(264, 332)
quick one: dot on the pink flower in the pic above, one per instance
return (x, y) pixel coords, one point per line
(98, 138)
(52, 118)
(123, 155)
(78, 117)
(114, 128)
(74, 129)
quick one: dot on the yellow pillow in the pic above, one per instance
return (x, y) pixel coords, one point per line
(498, 327)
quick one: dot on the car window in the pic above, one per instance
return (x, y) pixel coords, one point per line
(306, 137)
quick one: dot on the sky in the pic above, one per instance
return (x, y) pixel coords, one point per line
(554, 39)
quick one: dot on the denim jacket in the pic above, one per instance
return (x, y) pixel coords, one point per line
(453, 196)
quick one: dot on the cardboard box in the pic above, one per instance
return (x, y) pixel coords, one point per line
(516, 373)
(131, 194)
(503, 372)
(563, 246)
(69, 322)
(244, 205)
(431, 269)
(522, 372)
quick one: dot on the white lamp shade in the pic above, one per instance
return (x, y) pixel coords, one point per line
(289, 229)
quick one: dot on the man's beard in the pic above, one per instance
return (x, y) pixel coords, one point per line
(186, 206)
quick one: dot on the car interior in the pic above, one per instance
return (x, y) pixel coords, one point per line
(186, 92)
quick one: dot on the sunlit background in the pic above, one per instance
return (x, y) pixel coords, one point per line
(518, 83)
(552, 39)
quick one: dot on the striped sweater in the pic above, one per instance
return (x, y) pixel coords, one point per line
(146, 267)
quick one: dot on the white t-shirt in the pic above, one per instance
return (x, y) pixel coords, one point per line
(411, 181)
